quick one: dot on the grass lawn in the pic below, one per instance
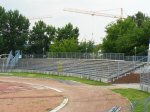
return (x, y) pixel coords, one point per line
(38, 75)
(132, 95)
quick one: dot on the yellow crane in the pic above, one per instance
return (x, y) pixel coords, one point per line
(95, 13)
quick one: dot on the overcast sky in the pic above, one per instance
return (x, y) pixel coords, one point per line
(91, 27)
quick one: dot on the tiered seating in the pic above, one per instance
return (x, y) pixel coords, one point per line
(41, 64)
(89, 68)
(98, 68)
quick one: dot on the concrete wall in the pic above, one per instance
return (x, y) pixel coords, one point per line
(144, 87)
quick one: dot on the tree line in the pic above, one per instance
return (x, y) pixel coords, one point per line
(15, 34)
(122, 36)
(130, 36)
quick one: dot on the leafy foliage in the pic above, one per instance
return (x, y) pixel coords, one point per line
(14, 29)
(67, 32)
(124, 35)
(64, 39)
(86, 46)
(41, 37)
(66, 45)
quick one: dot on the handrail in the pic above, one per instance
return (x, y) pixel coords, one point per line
(115, 109)
(15, 59)
(3, 55)
(9, 58)
(131, 64)
(4, 60)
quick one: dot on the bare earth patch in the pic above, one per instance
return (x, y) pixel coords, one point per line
(82, 97)
(16, 97)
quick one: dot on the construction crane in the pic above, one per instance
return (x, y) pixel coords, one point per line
(95, 13)
(40, 18)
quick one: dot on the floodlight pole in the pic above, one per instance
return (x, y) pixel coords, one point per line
(43, 52)
(86, 52)
(135, 52)
(134, 58)
(148, 59)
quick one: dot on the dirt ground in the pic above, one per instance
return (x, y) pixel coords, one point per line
(16, 97)
(82, 98)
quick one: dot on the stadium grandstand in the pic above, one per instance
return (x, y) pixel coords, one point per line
(105, 67)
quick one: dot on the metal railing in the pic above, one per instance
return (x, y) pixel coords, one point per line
(113, 56)
(3, 55)
(142, 105)
(128, 108)
(15, 59)
(3, 58)
(77, 55)
(135, 58)
(9, 58)
(130, 67)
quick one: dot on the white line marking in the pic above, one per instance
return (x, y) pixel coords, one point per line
(40, 85)
(65, 101)
(45, 87)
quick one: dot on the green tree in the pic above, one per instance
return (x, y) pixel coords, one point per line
(66, 45)
(86, 46)
(124, 35)
(67, 32)
(41, 37)
(97, 48)
(14, 29)
(3, 20)
(139, 18)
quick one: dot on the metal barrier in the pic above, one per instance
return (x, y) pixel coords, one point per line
(136, 106)
(3, 60)
(3, 55)
(115, 109)
(15, 59)
(141, 105)
(77, 55)
(135, 58)
(130, 67)
(145, 78)
(113, 56)
(9, 58)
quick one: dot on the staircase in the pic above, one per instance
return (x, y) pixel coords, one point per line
(129, 69)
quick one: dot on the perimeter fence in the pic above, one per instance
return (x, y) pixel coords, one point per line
(77, 55)
(142, 105)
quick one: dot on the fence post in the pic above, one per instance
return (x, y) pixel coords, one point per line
(146, 104)
(118, 68)
(3, 65)
(108, 69)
